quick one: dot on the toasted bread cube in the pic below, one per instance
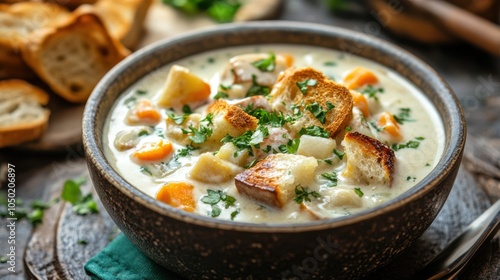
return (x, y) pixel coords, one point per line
(272, 181)
(230, 153)
(368, 160)
(343, 198)
(229, 119)
(317, 147)
(181, 88)
(211, 169)
(322, 91)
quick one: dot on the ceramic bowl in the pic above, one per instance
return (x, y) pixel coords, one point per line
(197, 247)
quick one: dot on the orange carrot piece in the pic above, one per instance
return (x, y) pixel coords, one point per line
(200, 94)
(359, 101)
(288, 60)
(359, 77)
(178, 195)
(389, 124)
(146, 113)
(154, 151)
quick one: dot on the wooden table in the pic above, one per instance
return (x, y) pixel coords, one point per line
(475, 77)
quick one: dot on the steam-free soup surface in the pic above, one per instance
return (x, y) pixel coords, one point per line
(162, 135)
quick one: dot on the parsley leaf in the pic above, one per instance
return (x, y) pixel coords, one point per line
(303, 86)
(186, 109)
(314, 130)
(267, 64)
(234, 213)
(214, 197)
(146, 170)
(403, 116)
(220, 95)
(330, 63)
(318, 111)
(339, 154)
(177, 119)
(290, 147)
(200, 135)
(301, 194)
(257, 89)
(331, 177)
(358, 192)
(372, 92)
(412, 144)
(82, 205)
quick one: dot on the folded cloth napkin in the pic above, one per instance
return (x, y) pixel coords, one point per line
(121, 260)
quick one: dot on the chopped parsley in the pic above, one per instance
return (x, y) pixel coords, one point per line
(403, 116)
(267, 64)
(145, 170)
(304, 85)
(274, 118)
(129, 102)
(328, 161)
(375, 126)
(339, 154)
(412, 144)
(82, 205)
(330, 63)
(257, 89)
(83, 242)
(314, 130)
(200, 135)
(358, 192)
(252, 163)
(372, 92)
(220, 95)
(143, 133)
(211, 60)
(220, 10)
(290, 147)
(348, 128)
(411, 178)
(177, 119)
(234, 213)
(214, 197)
(248, 139)
(186, 109)
(331, 177)
(427, 164)
(141, 92)
(318, 111)
(302, 194)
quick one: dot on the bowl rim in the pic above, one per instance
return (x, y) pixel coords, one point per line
(443, 168)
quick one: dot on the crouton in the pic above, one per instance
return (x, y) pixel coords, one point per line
(368, 160)
(229, 119)
(272, 181)
(306, 87)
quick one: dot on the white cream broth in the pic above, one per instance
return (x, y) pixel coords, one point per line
(412, 164)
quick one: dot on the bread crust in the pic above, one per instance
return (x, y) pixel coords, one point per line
(371, 148)
(102, 50)
(286, 92)
(17, 133)
(234, 115)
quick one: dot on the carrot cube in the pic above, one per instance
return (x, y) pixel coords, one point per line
(178, 195)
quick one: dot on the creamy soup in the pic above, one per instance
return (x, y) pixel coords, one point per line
(273, 134)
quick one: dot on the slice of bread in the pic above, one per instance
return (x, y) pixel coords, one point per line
(369, 161)
(287, 92)
(124, 19)
(74, 55)
(22, 115)
(272, 181)
(17, 22)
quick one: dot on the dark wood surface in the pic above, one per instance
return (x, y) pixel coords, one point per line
(53, 251)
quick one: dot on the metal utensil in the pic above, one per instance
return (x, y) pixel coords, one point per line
(450, 262)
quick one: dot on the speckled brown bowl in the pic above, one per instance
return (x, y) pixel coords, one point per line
(197, 246)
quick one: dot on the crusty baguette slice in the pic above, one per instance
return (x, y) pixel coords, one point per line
(17, 22)
(369, 161)
(272, 181)
(22, 115)
(73, 56)
(124, 19)
(287, 92)
(229, 119)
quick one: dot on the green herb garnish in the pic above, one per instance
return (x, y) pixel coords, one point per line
(403, 116)
(82, 205)
(304, 85)
(145, 170)
(267, 64)
(372, 92)
(330, 63)
(358, 192)
(257, 89)
(339, 154)
(331, 177)
(412, 144)
(214, 197)
(314, 130)
(220, 95)
(302, 194)
(290, 147)
(318, 111)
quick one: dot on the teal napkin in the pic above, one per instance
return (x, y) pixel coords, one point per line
(121, 260)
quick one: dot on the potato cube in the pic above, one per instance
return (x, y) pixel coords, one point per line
(317, 147)
(183, 87)
(211, 169)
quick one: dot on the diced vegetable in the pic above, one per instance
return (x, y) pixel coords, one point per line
(153, 152)
(144, 113)
(211, 169)
(317, 147)
(359, 77)
(359, 101)
(387, 121)
(288, 59)
(183, 87)
(178, 195)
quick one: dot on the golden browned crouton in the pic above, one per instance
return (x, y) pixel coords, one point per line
(229, 119)
(368, 160)
(308, 88)
(272, 181)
